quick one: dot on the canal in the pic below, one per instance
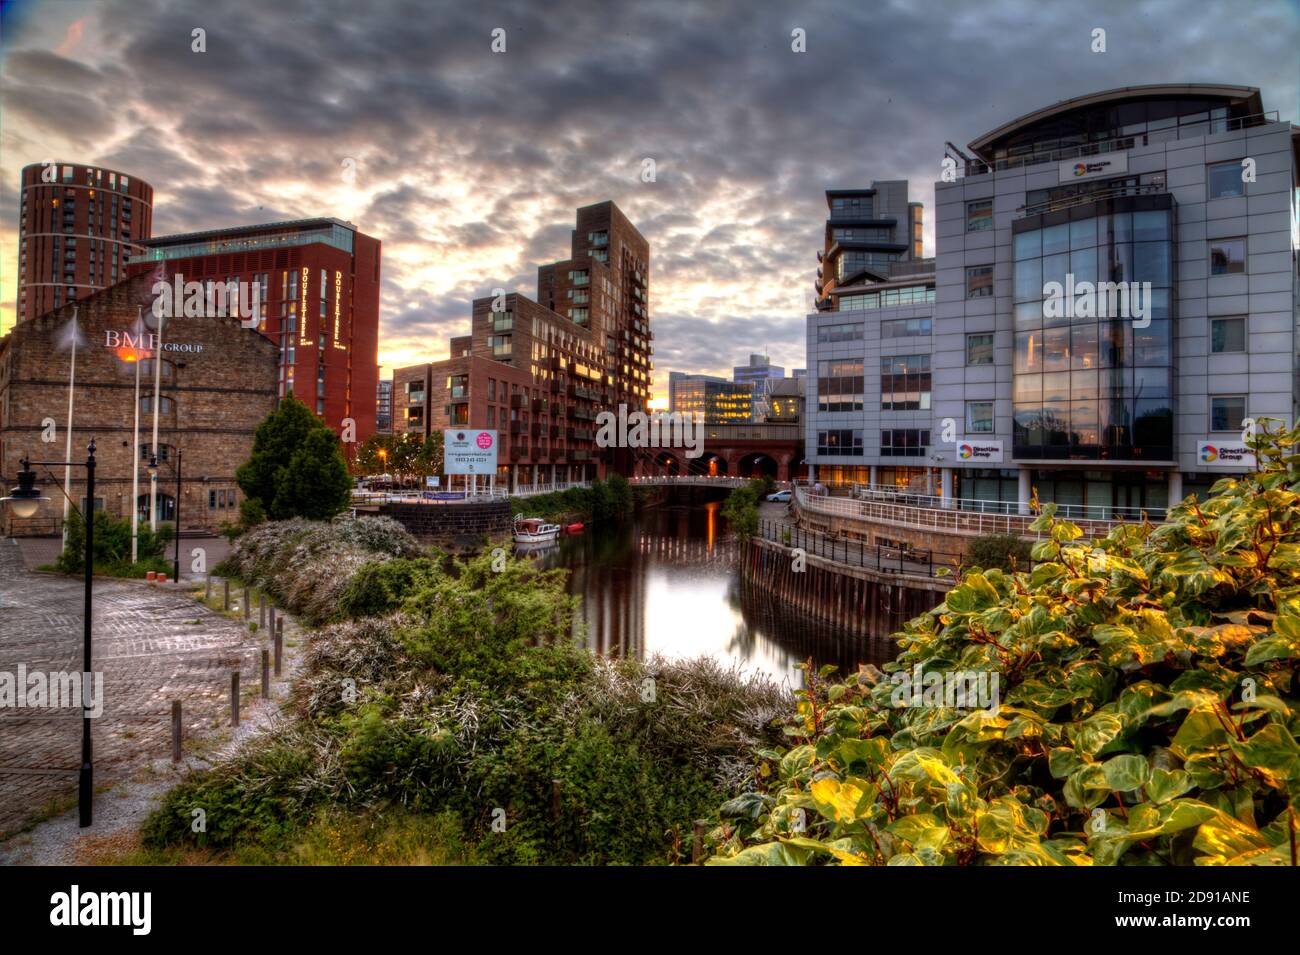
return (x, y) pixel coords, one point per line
(668, 583)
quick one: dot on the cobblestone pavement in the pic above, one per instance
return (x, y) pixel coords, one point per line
(153, 644)
(39, 551)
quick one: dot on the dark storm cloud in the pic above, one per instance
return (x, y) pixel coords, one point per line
(469, 164)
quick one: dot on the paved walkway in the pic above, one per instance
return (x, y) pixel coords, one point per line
(41, 551)
(153, 644)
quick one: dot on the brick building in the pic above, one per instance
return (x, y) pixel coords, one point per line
(218, 383)
(539, 372)
(319, 283)
(77, 227)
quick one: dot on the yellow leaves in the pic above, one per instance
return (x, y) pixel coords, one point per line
(841, 801)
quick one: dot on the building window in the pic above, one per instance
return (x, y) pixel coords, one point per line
(503, 321)
(905, 328)
(1223, 180)
(979, 417)
(1227, 412)
(1227, 335)
(904, 442)
(167, 405)
(579, 277)
(979, 215)
(492, 416)
(907, 295)
(839, 333)
(1227, 256)
(221, 499)
(458, 386)
(492, 389)
(979, 281)
(839, 443)
(501, 346)
(414, 392)
(164, 453)
(979, 349)
(905, 383)
(839, 385)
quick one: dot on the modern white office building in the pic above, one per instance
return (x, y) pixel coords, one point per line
(1114, 297)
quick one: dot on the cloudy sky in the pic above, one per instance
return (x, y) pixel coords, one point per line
(469, 163)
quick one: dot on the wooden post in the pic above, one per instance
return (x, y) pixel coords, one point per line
(555, 799)
(261, 611)
(207, 589)
(248, 610)
(266, 674)
(176, 731)
(225, 595)
(234, 697)
(279, 643)
(270, 611)
(697, 842)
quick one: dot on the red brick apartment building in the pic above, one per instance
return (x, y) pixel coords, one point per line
(77, 227)
(539, 372)
(319, 300)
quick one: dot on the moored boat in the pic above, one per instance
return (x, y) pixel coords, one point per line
(533, 530)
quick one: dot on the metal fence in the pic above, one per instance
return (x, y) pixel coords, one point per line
(1070, 512)
(903, 559)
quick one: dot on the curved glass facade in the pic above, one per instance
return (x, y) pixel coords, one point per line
(1094, 380)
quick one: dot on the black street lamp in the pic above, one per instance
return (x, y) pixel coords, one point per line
(24, 500)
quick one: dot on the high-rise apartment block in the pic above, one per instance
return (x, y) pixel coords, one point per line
(539, 372)
(77, 227)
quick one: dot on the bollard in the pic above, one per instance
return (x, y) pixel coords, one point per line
(176, 731)
(225, 595)
(270, 615)
(697, 842)
(207, 589)
(266, 674)
(261, 611)
(248, 610)
(234, 697)
(279, 644)
(555, 799)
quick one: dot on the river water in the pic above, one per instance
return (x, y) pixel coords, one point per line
(668, 583)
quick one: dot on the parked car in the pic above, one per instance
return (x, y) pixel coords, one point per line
(780, 497)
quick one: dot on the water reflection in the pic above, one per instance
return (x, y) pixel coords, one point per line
(668, 584)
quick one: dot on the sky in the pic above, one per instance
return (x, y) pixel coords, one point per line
(468, 163)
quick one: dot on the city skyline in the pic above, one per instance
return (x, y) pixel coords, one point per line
(745, 134)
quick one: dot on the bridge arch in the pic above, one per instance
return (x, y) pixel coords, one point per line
(710, 464)
(758, 464)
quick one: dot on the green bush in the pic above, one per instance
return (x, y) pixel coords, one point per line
(1001, 551)
(1144, 711)
(112, 547)
(297, 468)
(741, 509)
(380, 587)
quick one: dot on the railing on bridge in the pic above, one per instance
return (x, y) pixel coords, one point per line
(1068, 512)
(936, 517)
(427, 496)
(692, 479)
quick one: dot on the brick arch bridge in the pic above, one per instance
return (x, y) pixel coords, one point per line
(735, 450)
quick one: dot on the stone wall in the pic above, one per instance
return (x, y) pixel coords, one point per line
(460, 524)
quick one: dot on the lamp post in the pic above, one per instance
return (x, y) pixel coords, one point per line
(24, 501)
(176, 516)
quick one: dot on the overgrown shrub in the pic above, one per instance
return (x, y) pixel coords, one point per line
(613, 499)
(1001, 551)
(475, 697)
(309, 565)
(741, 509)
(1146, 707)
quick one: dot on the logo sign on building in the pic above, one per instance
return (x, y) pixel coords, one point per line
(467, 451)
(1225, 454)
(989, 451)
(1092, 167)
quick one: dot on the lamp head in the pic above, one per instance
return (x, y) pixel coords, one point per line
(25, 499)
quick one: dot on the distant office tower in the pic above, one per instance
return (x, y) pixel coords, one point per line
(77, 227)
(319, 283)
(759, 375)
(717, 399)
(384, 406)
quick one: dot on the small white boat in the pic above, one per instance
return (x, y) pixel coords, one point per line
(533, 530)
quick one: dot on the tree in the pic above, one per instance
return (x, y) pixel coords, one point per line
(428, 459)
(1003, 551)
(297, 468)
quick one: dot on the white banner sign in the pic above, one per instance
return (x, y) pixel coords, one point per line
(469, 451)
(1092, 167)
(970, 450)
(1225, 454)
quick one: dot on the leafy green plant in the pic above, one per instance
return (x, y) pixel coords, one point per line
(1148, 708)
(296, 468)
(113, 547)
(741, 509)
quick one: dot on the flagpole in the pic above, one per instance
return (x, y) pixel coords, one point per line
(135, 456)
(157, 400)
(67, 469)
